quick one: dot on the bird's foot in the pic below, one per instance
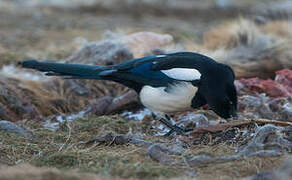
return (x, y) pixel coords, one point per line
(178, 130)
(173, 127)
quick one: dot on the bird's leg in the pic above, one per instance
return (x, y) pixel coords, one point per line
(173, 128)
(168, 122)
(176, 126)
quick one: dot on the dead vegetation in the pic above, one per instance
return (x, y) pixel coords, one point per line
(29, 172)
(124, 156)
(248, 47)
(64, 149)
(123, 148)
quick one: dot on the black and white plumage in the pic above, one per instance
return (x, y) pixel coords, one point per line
(165, 83)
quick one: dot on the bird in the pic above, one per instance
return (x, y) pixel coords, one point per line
(166, 83)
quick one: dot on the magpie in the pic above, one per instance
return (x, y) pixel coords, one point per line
(165, 83)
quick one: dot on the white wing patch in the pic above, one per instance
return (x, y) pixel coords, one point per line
(160, 56)
(183, 74)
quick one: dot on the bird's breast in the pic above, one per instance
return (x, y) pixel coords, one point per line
(177, 97)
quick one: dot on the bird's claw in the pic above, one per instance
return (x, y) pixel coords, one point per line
(178, 130)
(173, 127)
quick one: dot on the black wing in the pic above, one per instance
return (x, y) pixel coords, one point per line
(141, 71)
(185, 60)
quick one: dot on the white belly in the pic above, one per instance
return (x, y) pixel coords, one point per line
(178, 98)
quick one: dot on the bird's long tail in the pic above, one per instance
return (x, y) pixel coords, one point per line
(71, 71)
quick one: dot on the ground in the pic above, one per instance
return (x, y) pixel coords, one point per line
(55, 33)
(64, 149)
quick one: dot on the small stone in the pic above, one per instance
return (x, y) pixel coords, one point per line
(176, 149)
(157, 152)
(11, 127)
(197, 120)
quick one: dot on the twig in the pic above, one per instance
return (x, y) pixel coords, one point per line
(223, 127)
(275, 122)
(263, 140)
(69, 136)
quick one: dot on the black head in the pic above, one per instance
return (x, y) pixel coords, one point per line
(219, 91)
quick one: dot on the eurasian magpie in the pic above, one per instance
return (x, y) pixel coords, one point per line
(165, 83)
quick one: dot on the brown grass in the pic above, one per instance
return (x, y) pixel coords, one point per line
(252, 50)
(57, 155)
(281, 28)
(62, 150)
(29, 172)
(231, 34)
(239, 169)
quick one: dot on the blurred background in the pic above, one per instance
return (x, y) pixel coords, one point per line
(53, 28)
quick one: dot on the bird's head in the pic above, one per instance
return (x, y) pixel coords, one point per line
(219, 91)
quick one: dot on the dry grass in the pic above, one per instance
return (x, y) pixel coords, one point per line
(232, 34)
(29, 172)
(281, 28)
(249, 47)
(62, 150)
(239, 169)
(58, 155)
(25, 98)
